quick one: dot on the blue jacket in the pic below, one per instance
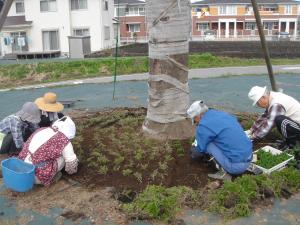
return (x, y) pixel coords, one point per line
(226, 133)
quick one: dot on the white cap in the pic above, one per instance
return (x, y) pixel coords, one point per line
(196, 109)
(66, 126)
(256, 93)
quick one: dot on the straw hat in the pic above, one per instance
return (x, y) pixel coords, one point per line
(30, 113)
(48, 103)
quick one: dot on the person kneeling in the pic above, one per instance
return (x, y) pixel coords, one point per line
(220, 135)
(50, 149)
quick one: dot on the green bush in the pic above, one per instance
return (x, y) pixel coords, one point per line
(157, 202)
(235, 199)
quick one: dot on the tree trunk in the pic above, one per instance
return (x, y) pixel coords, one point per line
(169, 23)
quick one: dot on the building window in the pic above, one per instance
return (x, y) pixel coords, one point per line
(133, 28)
(20, 6)
(268, 25)
(227, 10)
(120, 11)
(106, 33)
(202, 26)
(288, 9)
(250, 25)
(275, 25)
(268, 8)
(81, 32)
(105, 4)
(135, 11)
(50, 40)
(48, 5)
(78, 4)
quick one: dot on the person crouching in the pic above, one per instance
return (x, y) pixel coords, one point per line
(221, 136)
(50, 149)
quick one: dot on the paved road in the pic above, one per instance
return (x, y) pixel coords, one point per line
(194, 73)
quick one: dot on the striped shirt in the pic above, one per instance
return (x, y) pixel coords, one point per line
(264, 124)
(14, 125)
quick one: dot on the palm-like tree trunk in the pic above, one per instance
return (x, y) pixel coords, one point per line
(169, 31)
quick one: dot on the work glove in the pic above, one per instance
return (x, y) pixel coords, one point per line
(195, 143)
(249, 134)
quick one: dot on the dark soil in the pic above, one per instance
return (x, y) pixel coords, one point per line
(73, 215)
(114, 153)
(129, 161)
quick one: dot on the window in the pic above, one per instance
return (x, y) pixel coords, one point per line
(105, 4)
(50, 40)
(222, 10)
(20, 6)
(202, 26)
(135, 11)
(250, 25)
(106, 33)
(48, 5)
(133, 28)
(268, 8)
(288, 9)
(81, 32)
(275, 25)
(121, 11)
(227, 10)
(268, 25)
(78, 4)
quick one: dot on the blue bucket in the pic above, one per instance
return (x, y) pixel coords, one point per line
(18, 175)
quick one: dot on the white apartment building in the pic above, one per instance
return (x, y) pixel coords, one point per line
(45, 25)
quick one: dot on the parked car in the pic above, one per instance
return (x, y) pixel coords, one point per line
(210, 35)
(282, 36)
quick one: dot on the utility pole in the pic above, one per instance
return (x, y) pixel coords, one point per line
(264, 45)
(4, 11)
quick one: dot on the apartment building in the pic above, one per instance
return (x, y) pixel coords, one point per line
(222, 19)
(132, 20)
(232, 19)
(45, 25)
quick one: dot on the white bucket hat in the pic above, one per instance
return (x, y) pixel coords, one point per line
(196, 109)
(66, 126)
(256, 93)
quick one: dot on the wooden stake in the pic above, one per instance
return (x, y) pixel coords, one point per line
(264, 45)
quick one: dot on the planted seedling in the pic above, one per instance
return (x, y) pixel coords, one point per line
(127, 172)
(138, 176)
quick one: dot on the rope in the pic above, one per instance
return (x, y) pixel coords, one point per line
(116, 51)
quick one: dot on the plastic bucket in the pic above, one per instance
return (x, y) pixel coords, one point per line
(18, 175)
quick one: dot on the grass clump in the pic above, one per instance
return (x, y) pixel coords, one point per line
(238, 198)
(233, 199)
(157, 202)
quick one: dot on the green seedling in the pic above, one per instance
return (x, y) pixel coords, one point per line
(163, 166)
(139, 154)
(127, 172)
(176, 145)
(138, 176)
(103, 170)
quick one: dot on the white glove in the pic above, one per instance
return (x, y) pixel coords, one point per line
(249, 134)
(195, 143)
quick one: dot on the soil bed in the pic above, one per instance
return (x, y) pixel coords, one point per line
(114, 153)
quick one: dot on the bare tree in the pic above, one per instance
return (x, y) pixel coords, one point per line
(169, 23)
